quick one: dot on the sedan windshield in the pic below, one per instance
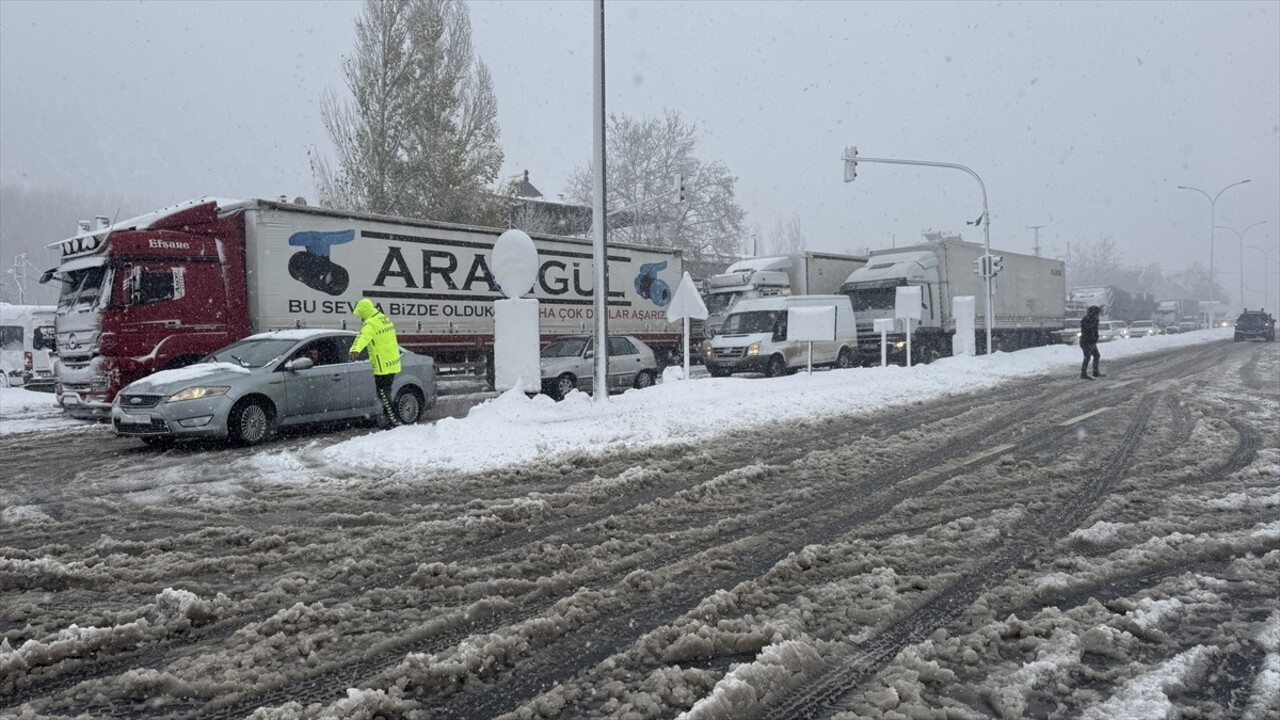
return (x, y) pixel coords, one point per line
(566, 347)
(252, 353)
(745, 323)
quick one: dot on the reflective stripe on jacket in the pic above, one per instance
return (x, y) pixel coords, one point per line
(379, 335)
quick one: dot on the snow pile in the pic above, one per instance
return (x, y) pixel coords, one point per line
(514, 428)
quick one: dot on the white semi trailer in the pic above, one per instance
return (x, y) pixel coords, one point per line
(1028, 298)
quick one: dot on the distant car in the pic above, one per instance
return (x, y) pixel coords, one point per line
(568, 363)
(1070, 334)
(1255, 325)
(247, 390)
(1143, 328)
(1109, 330)
(1120, 329)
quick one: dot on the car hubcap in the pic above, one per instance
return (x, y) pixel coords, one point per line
(253, 423)
(408, 408)
(642, 380)
(565, 386)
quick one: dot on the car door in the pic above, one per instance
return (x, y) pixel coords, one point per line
(364, 392)
(320, 392)
(624, 362)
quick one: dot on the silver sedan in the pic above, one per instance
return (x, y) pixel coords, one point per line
(249, 389)
(568, 363)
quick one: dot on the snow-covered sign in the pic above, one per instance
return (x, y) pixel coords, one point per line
(686, 303)
(514, 263)
(811, 324)
(907, 303)
(964, 310)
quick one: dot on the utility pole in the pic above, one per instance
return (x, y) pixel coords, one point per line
(1037, 229)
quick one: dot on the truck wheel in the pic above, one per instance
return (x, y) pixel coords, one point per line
(408, 405)
(928, 353)
(250, 422)
(644, 379)
(777, 367)
(845, 359)
(564, 385)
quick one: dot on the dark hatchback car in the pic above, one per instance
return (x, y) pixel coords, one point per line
(1255, 325)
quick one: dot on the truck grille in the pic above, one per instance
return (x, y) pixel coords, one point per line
(139, 401)
(154, 427)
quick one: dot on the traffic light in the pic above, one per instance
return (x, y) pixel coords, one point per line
(681, 193)
(997, 264)
(977, 265)
(850, 163)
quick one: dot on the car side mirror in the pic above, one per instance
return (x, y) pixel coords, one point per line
(302, 363)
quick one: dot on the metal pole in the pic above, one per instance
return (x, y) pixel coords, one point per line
(600, 302)
(1037, 229)
(1240, 237)
(1213, 222)
(985, 219)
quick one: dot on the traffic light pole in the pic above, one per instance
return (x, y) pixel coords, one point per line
(851, 160)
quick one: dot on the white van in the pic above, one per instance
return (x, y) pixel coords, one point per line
(26, 346)
(754, 337)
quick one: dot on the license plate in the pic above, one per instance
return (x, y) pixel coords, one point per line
(139, 419)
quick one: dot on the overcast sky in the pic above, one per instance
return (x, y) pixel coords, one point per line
(1083, 117)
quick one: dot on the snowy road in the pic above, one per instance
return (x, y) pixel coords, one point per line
(1044, 548)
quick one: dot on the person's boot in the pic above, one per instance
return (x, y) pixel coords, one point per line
(1097, 374)
(1085, 376)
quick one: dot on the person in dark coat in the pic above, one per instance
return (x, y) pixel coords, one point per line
(1089, 341)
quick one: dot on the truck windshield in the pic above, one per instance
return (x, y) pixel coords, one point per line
(719, 303)
(82, 289)
(252, 353)
(566, 347)
(877, 298)
(746, 323)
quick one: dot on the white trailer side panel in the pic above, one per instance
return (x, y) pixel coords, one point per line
(823, 274)
(434, 280)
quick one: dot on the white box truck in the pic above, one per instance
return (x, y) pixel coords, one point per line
(1028, 303)
(753, 337)
(26, 346)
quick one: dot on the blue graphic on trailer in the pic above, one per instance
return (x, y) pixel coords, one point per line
(312, 267)
(652, 287)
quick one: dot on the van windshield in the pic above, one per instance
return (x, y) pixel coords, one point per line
(82, 289)
(750, 322)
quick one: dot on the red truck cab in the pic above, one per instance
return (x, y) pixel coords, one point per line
(155, 292)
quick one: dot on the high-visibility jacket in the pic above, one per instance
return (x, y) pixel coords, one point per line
(379, 335)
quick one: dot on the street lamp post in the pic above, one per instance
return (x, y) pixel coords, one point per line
(1240, 236)
(1266, 273)
(852, 158)
(1213, 222)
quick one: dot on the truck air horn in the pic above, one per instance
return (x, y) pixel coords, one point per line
(312, 267)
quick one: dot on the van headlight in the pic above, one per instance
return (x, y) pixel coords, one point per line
(195, 393)
(753, 349)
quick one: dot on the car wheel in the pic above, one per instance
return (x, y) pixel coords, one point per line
(644, 379)
(845, 359)
(564, 385)
(251, 422)
(408, 405)
(776, 368)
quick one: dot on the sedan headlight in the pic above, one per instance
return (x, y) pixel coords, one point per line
(195, 393)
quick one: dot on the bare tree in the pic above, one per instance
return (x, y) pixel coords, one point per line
(645, 156)
(419, 134)
(788, 239)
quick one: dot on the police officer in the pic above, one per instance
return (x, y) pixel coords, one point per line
(379, 335)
